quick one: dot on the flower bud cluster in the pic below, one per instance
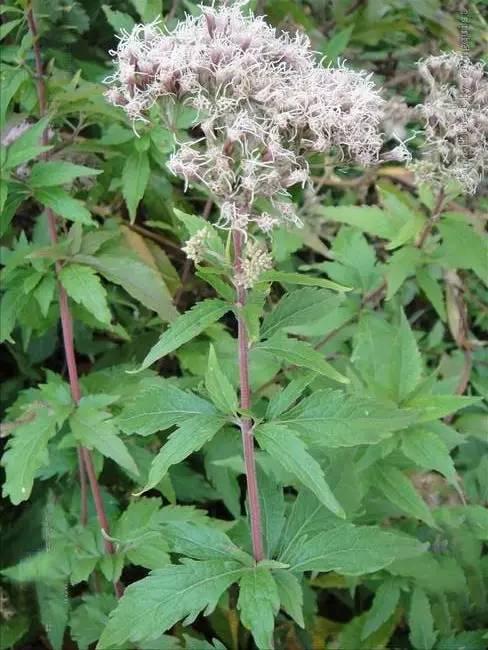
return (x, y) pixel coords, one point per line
(456, 122)
(196, 246)
(255, 261)
(263, 103)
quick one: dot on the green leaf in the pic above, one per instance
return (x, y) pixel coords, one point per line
(185, 328)
(49, 173)
(433, 407)
(402, 265)
(420, 621)
(157, 405)
(63, 204)
(141, 281)
(433, 291)
(194, 224)
(258, 604)
(398, 490)
(153, 605)
(135, 177)
(148, 10)
(351, 550)
(384, 605)
(27, 453)
(27, 146)
(272, 511)
(299, 278)
(88, 619)
(204, 543)
(44, 293)
(289, 451)
(95, 428)
(300, 307)
(427, 450)
(53, 608)
(291, 595)
(119, 20)
(189, 437)
(284, 398)
(83, 285)
(369, 219)
(218, 386)
(331, 418)
(301, 354)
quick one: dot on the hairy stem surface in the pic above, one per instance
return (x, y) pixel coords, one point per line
(84, 456)
(245, 422)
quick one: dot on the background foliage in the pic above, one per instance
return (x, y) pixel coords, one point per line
(401, 446)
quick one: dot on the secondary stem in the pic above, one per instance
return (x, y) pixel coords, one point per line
(245, 422)
(84, 455)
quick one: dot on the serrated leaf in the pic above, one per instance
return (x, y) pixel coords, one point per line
(385, 602)
(420, 621)
(153, 605)
(157, 405)
(398, 489)
(27, 146)
(88, 619)
(63, 204)
(302, 354)
(258, 604)
(333, 419)
(142, 282)
(300, 278)
(300, 307)
(53, 608)
(44, 293)
(27, 453)
(83, 285)
(119, 20)
(433, 291)
(185, 328)
(370, 219)
(351, 550)
(135, 177)
(50, 173)
(189, 437)
(204, 543)
(433, 407)
(427, 450)
(291, 595)
(284, 398)
(218, 386)
(272, 512)
(289, 451)
(401, 266)
(95, 428)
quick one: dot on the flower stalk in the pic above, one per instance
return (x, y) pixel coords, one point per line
(84, 455)
(245, 393)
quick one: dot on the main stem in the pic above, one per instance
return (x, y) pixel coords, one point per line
(84, 456)
(245, 422)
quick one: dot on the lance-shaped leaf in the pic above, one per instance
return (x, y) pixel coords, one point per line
(185, 328)
(83, 286)
(218, 386)
(28, 145)
(333, 419)
(55, 172)
(291, 595)
(258, 604)
(157, 405)
(63, 204)
(189, 437)
(153, 605)
(204, 543)
(398, 490)
(135, 177)
(427, 450)
(302, 279)
(421, 621)
(384, 604)
(290, 452)
(301, 354)
(352, 550)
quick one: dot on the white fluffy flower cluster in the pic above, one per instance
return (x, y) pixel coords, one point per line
(263, 103)
(456, 122)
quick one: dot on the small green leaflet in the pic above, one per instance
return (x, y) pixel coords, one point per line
(427, 450)
(298, 278)
(157, 405)
(333, 419)
(285, 447)
(291, 595)
(258, 604)
(283, 399)
(218, 386)
(84, 287)
(153, 605)
(421, 622)
(53, 608)
(27, 146)
(95, 428)
(352, 550)
(53, 173)
(398, 490)
(27, 453)
(63, 204)
(302, 354)
(135, 177)
(384, 605)
(185, 328)
(433, 407)
(204, 543)
(189, 437)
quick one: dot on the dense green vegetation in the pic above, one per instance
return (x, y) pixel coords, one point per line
(356, 518)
